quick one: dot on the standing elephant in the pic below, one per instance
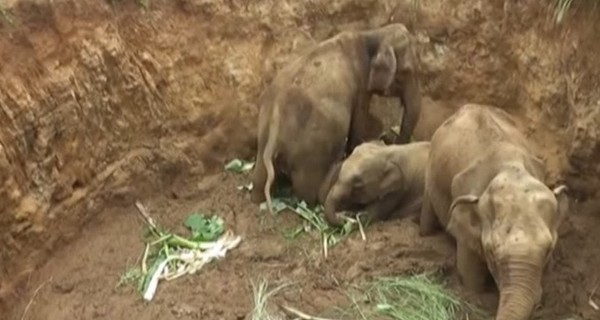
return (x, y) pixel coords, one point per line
(485, 187)
(378, 178)
(316, 109)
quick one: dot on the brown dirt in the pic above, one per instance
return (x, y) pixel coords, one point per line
(106, 102)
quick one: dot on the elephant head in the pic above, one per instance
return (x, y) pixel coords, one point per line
(513, 225)
(393, 72)
(365, 176)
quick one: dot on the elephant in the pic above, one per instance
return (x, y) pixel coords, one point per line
(379, 178)
(316, 109)
(485, 187)
(433, 114)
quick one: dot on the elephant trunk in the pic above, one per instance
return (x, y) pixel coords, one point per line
(335, 196)
(411, 99)
(520, 289)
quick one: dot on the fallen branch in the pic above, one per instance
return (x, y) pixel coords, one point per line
(297, 313)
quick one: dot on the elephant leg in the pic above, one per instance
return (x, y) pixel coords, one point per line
(306, 183)
(427, 220)
(259, 179)
(472, 269)
(382, 209)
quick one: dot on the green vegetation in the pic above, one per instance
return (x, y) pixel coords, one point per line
(313, 221)
(178, 253)
(415, 297)
(313, 216)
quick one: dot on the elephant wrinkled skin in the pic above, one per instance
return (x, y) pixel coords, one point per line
(378, 178)
(316, 110)
(483, 184)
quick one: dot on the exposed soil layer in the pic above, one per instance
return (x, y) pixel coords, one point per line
(103, 103)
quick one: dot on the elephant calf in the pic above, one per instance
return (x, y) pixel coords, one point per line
(486, 188)
(379, 178)
(317, 107)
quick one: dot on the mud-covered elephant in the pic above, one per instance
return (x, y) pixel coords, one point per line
(316, 110)
(483, 184)
(379, 179)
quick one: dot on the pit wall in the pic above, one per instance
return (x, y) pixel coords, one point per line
(102, 102)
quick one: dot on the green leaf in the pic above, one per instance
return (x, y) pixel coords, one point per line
(205, 229)
(294, 232)
(239, 166)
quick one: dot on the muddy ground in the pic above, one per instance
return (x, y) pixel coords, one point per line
(106, 102)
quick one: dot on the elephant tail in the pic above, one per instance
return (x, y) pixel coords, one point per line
(268, 156)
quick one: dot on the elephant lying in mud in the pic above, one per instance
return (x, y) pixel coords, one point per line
(316, 110)
(484, 185)
(378, 178)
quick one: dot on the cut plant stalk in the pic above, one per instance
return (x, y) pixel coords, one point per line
(173, 256)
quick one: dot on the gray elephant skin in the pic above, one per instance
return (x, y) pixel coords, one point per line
(483, 184)
(316, 110)
(380, 179)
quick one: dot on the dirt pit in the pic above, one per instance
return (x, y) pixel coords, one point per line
(105, 103)
(82, 277)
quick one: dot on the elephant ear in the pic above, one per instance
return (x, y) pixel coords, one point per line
(392, 178)
(465, 219)
(465, 222)
(383, 70)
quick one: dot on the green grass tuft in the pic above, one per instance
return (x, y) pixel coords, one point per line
(414, 297)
